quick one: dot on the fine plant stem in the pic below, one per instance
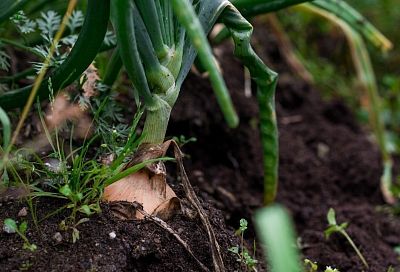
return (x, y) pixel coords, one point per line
(42, 73)
(353, 245)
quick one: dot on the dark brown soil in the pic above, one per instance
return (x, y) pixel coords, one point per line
(138, 245)
(326, 160)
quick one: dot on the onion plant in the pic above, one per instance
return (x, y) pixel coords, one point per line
(157, 42)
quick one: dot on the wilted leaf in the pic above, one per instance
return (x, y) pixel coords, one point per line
(89, 87)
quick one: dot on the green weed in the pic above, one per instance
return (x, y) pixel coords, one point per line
(11, 226)
(334, 227)
(242, 254)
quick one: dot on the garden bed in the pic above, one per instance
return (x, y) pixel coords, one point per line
(326, 160)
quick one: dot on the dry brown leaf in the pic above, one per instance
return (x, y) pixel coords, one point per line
(62, 110)
(89, 87)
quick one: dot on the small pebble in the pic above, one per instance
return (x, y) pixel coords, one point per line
(157, 241)
(57, 237)
(23, 212)
(112, 235)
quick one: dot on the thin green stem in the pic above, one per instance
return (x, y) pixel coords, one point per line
(344, 233)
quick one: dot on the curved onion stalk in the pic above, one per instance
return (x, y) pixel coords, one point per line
(366, 77)
(266, 80)
(241, 30)
(275, 230)
(82, 54)
(9, 7)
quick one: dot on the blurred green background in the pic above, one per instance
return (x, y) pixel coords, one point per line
(323, 50)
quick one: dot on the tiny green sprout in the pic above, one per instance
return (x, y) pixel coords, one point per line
(64, 226)
(241, 252)
(390, 269)
(11, 226)
(182, 140)
(334, 227)
(311, 266)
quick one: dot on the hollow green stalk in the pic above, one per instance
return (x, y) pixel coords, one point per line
(266, 80)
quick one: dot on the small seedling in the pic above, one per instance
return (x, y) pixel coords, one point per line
(182, 140)
(75, 232)
(334, 227)
(311, 266)
(241, 252)
(10, 226)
